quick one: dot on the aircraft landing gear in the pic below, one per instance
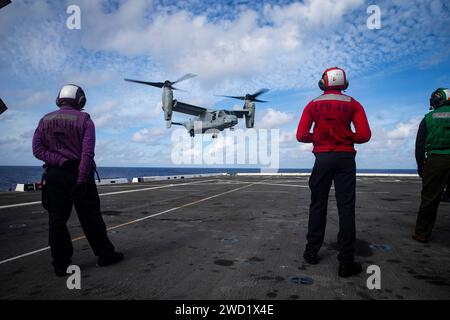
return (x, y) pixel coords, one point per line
(191, 133)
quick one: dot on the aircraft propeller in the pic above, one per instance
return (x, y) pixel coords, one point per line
(249, 97)
(167, 83)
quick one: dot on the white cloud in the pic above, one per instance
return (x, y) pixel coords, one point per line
(132, 109)
(288, 137)
(90, 79)
(39, 49)
(279, 47)
(149, 135)
(390, 148)
(404, 130)
(274, 119)
(312, 13)
(222, 51)
(105, 115)
(33, 99)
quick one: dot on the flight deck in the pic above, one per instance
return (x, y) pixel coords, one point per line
(228, 237)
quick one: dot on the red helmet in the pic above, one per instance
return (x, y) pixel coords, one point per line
(333, 78)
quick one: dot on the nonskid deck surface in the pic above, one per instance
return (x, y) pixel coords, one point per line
(228, 238)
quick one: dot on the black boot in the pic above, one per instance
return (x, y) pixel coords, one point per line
(61, 267)
(348, 269)
(311, 258)
(110, 259)
(420, 238)
(61, 272)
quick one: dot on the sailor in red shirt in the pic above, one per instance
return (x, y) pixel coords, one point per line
(332, 114)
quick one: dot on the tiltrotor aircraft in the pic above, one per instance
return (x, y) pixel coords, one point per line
(211, 120)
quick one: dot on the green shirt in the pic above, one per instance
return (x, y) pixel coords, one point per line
(438, 131)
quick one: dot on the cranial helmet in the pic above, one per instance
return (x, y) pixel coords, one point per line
(333, 78)
(73, 94)
(439, 98)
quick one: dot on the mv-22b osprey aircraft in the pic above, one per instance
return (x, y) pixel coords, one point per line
(211, 120)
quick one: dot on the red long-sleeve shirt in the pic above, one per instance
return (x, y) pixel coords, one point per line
(332, 114)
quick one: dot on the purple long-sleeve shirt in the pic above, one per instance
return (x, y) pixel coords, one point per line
(66, 134)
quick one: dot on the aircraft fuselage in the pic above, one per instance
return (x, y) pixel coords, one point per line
(216, 120)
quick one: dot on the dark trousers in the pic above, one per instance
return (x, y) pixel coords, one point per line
(436, 174)
(339, 167)
(59, 183)
(446, 195)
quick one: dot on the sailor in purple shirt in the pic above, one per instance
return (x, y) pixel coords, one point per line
(65, 141)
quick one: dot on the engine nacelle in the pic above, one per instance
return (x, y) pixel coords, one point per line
(167, 104)
(250, 116)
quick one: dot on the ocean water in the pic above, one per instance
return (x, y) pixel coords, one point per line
(12, 175)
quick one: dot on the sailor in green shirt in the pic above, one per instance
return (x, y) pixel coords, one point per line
(433, 161)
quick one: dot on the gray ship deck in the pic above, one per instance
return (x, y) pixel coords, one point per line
(229, 238)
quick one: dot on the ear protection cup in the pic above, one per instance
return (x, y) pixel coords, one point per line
(346, 85)
(321, 85)
(433, 102)
(81, 100)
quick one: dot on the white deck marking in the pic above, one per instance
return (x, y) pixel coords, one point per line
(134, 221)
(112, 193)
(264, 191)
(20, 204)
(24, 255)
(283, 185)
(270, 184)
(180, 207)
(374, 192)
(288, 185)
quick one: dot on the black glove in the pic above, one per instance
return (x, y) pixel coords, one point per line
(71, 164)
(421, 168)
(79, 191)
(420, 171)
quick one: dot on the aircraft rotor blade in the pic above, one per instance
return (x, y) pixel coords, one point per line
(185, 77)
(261, 101)
(153, 84)
(259, 92)
(232, 97)
(250, 97)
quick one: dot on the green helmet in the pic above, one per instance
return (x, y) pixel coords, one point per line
(439, 98)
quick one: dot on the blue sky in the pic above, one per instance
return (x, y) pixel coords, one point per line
(235, 47)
